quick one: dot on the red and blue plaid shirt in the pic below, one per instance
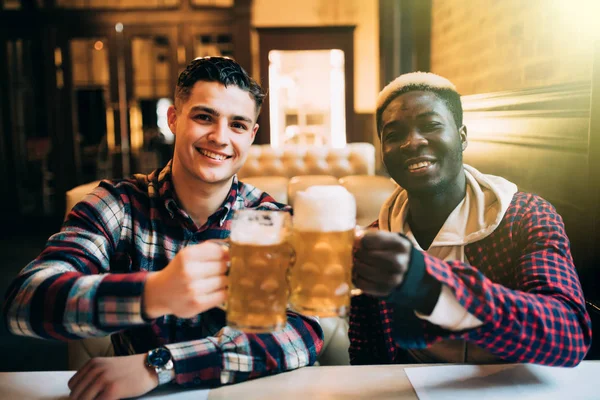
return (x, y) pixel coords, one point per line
(90, 278)
(520, 282)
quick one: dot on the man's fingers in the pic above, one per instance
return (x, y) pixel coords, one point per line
(88, 378)
(93, 388)
(106, 394)
(211, 285)
(388, 260)
(79, 375)
(383, 240)
(369, 287)
(371, 271)
(207, 269)
(110, 392)
(213, 299)
(374, 280)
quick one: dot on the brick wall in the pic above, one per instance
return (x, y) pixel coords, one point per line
(491, 45)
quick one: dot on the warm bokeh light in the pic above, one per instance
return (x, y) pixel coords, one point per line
(307, 101)
(98, 45)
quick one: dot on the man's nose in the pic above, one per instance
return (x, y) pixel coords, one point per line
(414, 140)
(218, 134)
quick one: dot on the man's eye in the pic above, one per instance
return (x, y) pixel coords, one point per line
(237, 125)
(431, 126)
(392, 136)
(203, 117)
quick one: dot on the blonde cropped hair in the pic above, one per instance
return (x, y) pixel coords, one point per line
(421, 81)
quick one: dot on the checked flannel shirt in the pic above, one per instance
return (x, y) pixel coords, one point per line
(519, 281)
(90, 278)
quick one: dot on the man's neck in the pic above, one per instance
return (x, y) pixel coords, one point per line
(428, 212)
(199, 199)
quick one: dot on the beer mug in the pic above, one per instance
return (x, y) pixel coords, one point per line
(260, 256)
(324, 231)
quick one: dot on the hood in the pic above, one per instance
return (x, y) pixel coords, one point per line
(480, 212)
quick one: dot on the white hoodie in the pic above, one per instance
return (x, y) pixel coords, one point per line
(480, 212)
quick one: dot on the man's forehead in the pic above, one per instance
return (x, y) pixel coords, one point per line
(224, 98)
(415, 103)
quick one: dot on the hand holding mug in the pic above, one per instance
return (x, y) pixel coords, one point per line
(193, 282)
(381, 261)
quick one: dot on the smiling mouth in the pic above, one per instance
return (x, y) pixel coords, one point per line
(419, 166)
(212, 155)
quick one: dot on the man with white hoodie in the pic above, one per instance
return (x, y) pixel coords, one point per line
(463, 266)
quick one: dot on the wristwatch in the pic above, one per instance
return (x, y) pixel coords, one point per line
(160, 360)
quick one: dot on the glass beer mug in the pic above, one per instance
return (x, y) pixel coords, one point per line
(323, 237)
(260, 256)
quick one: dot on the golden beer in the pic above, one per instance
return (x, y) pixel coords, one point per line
(323, 235)
(321, 277)
(260, 256)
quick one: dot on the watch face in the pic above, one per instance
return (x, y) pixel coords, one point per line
(159, 357)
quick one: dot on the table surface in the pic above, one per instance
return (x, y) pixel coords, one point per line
(343, 382)
(348, 382)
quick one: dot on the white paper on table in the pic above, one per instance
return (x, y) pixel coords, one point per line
(509, 381)
(174, 393)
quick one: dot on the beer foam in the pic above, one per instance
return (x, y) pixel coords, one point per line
(324, 209)
(264, 232)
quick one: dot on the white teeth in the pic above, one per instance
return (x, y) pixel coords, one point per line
(421, 164)
(212, 155)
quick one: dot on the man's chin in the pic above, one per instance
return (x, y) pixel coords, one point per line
(214, 177)
(422, 188)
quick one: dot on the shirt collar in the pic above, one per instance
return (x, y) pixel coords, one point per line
(166, 192)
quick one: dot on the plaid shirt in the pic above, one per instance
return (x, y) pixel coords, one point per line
(520, 282)
(90, 278)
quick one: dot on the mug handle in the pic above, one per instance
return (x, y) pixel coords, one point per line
(359, 232)
(226, 245)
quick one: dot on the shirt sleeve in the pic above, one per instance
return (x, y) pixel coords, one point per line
(367, 325)
(369, 342)
(232, 356)
(66, 292)
(449, 314)
(542, 318)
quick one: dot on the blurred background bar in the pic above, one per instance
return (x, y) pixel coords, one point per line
(85, 85)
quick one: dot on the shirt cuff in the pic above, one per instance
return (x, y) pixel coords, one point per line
(197, 362)
(119, 300)
(419, 290)
(449, 314)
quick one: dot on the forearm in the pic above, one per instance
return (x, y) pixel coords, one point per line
(366, 332)
(546, 325)
(52, 300)
(232, 356)
(67, 292)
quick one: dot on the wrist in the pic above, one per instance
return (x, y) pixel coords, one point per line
(152, 304)
(160, 363)
(419, 290)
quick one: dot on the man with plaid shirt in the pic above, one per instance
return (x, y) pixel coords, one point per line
(463, 266)
(135, 259)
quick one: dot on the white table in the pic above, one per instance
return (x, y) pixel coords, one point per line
(372, 382)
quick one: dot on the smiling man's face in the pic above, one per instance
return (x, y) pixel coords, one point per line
(421, 144)
(213, 130)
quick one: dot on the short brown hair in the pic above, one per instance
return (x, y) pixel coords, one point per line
(217, 69)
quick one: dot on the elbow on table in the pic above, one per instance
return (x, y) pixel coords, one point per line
(574, 348)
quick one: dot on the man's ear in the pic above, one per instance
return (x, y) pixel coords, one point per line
(463, 137)
(172, 119)
(254, 130)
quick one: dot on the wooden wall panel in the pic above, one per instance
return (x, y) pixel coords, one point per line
(539, 139)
